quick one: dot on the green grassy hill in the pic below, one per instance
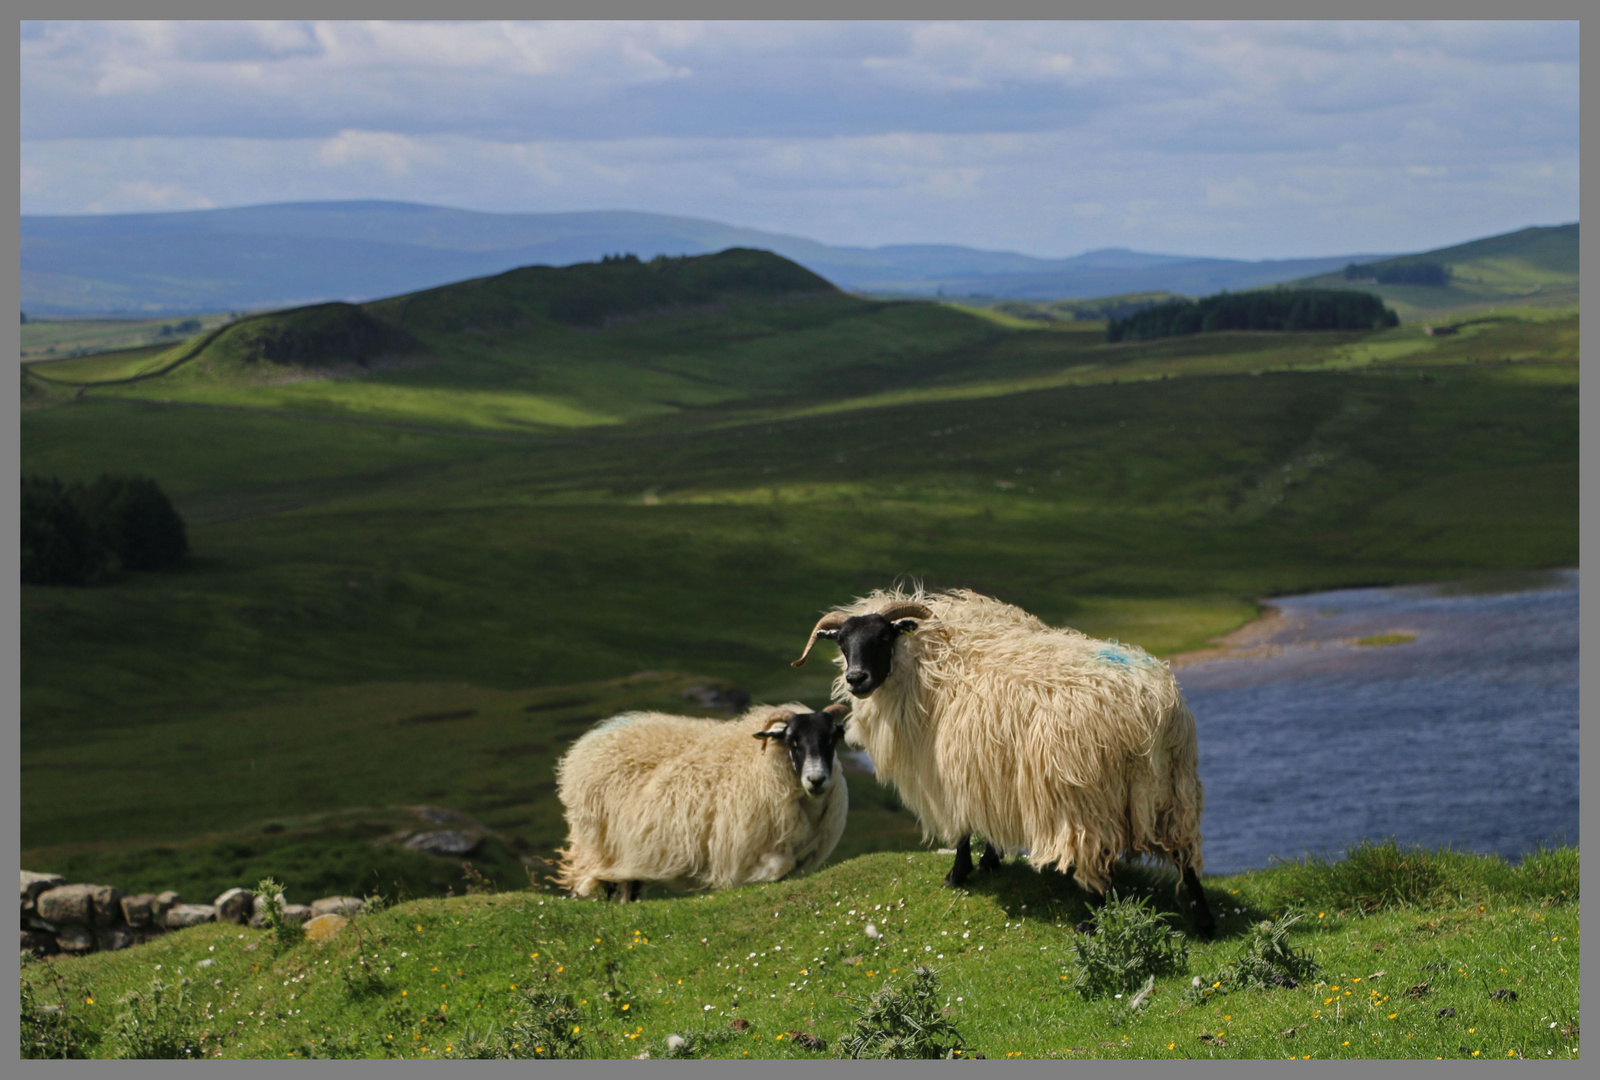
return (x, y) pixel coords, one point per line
(677, 478)
(1419, 956)
(1535, 267)
(55, 339)
(542, 348)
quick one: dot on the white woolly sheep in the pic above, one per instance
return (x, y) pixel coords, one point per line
(695, 804)
(986, 720)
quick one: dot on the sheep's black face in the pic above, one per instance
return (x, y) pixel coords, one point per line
(867, 644)
(810, 739)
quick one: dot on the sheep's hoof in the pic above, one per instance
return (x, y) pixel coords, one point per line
(952, 880)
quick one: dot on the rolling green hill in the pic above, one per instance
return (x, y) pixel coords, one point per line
(1535, 267)
(542, 348)
(532, 487)
(55, 339)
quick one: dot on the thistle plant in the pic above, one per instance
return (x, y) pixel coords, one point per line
(269, 901)
(1130, 942)
(1265, 961)
(902, 1022)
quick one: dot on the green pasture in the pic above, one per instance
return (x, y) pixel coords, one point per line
(1534, 268)
(53, 339)
(722, 472)
(1421, 956)
(111, 366)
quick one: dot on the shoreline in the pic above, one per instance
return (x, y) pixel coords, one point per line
(1251, 639)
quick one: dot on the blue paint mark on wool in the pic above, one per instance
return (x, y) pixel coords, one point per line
(1114, 655)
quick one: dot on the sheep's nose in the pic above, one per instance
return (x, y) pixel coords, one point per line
(856, 678)
(816, 785)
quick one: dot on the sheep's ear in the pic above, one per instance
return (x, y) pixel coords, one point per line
(836, 710)
(830, 635)
(906, 626)
(777, 731)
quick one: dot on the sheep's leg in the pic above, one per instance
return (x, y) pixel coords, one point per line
(1204, 924)
(963, 864)
(631, 891)
(611, 889)
(991, 856)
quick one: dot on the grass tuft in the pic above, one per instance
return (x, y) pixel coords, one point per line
(49, 1030)
(1371, 877)
(156, 1024)
(1378, 876)
(1548, 876)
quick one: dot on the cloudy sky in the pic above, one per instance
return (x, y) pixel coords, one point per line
(1248, 140)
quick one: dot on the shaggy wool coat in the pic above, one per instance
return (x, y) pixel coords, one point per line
(691, 803)
(1075, 750)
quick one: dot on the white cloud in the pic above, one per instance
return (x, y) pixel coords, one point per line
(1051, 137)
(134, 196)
(395, 154)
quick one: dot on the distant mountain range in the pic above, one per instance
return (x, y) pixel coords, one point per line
(286, 254)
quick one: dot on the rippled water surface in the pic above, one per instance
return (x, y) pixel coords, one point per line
(1466, 735)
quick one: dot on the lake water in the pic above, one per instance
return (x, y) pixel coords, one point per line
(1465, 736)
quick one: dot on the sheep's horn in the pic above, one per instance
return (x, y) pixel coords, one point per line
(765, 734)
(831, 621)
(905, 609)
(836, 710)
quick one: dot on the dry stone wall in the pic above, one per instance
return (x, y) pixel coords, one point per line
(70, 919)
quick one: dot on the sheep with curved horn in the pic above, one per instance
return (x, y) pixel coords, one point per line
(986, 720)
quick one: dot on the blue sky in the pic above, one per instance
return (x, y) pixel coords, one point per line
(1247, 140)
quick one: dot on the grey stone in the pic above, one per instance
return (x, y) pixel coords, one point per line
(38, 942)
(115, 937)
(75, 938)
(235, 906)
(33, 884)
(445, 842)
(107, 905)
(33, 922)
(190, 915)
(139, 910)
(165, 902)
(67, 904)
(336, 905)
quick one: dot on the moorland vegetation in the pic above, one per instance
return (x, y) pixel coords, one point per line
(1285, 310)
(414, 579)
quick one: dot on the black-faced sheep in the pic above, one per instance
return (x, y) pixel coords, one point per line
(986, 720)
(698, 804)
